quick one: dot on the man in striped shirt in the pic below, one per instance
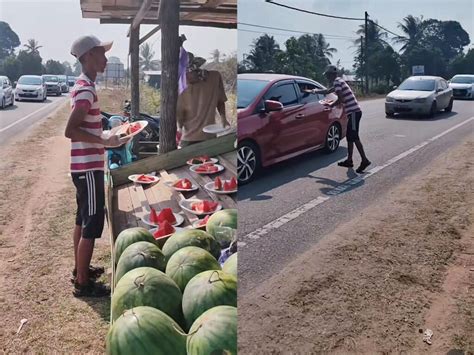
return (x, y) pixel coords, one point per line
(84, 128)
(346, 97)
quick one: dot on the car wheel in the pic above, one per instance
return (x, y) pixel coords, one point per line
(432, 110)
(333, 138)
(389, 114)
(450, 106)
(248, 162)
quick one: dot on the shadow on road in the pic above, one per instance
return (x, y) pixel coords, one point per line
(285, 172)
(353, 181)
(437, 117)
(10, 108)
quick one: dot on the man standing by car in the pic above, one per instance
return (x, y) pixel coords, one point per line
(197, 104)
(354, 114)
(84, 128)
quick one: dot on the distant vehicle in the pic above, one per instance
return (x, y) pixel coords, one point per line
(278, 120)
(63, 82)
(71, 81)
(463, 86)
(421, 95)
(30, 87)
(52, 84)
(6, 92)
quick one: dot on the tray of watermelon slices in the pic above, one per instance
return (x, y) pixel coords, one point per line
(206, 168)
(131, 129)
(154, 219)
(201, 160)
(145, 179)
(222, 187)
(200, 207)
(182, 185)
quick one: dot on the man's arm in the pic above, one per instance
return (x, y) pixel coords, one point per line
(221, 110)
(321, 91)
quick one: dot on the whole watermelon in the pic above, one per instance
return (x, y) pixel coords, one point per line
(191, 237)
(207, 290)
(146, 286)
(221, 224)
(214, 332)
(230, 265)
(140, 254)
(145, 330)
(187, 262)
(128, 237)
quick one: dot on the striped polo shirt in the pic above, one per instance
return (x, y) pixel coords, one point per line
(350, 103)
(87, 156)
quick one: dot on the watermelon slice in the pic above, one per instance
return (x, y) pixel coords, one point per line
(218, 183)
(183, 184)
(204, 206)
(167, 215)
(153, 216)
(164, 229)
(207, 168)
(133, 128)
(199, 160)
(145, 178)
(203, 222)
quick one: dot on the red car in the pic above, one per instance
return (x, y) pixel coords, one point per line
(278, 120)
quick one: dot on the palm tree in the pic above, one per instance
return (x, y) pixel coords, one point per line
(376, 38)
(263, 55)
(146, 58)
(324, 47)
(32, 46)
(412, 27)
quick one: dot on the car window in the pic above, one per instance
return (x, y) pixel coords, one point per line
(285, 94)
(306, 97)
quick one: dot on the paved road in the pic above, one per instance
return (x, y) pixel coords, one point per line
(294, 204)
(16, 120)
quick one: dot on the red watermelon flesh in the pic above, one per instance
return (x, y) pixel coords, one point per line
(218, 183)
(203, 222)
(166, 214)
(230, 185)
(164, 229)
(145, 178)
(183, 184)
(153, 216)
(204, 206)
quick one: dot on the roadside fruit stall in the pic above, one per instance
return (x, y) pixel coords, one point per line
(173, 221)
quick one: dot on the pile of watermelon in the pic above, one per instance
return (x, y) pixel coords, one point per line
(178, 299)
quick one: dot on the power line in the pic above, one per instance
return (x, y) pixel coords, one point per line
(294, 31)
(289, 35)
(314, 13)
(383, 28)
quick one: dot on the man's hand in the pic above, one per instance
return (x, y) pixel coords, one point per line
(116, 141)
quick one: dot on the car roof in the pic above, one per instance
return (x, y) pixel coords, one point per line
(424, 77)
(468, 75)
(270, 77)
(30, 76)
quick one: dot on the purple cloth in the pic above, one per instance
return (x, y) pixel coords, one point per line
(183, 65)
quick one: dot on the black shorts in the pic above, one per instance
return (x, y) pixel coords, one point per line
(353, 126)
(90, 197)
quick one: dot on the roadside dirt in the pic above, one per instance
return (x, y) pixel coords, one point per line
(403, 266)
(37, 209)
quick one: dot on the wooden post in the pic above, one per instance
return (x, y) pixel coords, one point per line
(169, 18)
(135, 70)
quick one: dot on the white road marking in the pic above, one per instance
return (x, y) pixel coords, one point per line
(28, 116)
(400, 135)
(288, 217)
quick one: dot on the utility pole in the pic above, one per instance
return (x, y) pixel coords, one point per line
(366, 67)
(362, 62)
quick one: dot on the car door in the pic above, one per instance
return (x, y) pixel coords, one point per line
(283, 129)
(447, 92)
(9, 90)
(441, 95)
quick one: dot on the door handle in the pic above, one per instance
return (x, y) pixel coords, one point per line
(299, 116)
(326, 109)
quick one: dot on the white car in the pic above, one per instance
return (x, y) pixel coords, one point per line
(463, 86)
(420, 95)
(30, 87)
(6, 92)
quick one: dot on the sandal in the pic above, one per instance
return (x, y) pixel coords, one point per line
(362, 166)
(346, 163)
(91, 289)
(94, 273)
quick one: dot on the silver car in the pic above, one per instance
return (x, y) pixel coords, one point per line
(463, 86)
(6, 92)
(420, 95)
(30, 87)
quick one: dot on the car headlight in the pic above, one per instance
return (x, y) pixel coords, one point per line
(389, 99)
(420, 101)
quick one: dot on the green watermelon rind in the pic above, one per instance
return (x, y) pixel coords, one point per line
(192, 237)
(230, 265)
(225, 218)
(140, 254)
(207, 290)
(145, 330)
(129, 236)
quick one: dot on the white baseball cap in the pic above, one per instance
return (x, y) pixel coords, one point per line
(85, 43)
(331, 69)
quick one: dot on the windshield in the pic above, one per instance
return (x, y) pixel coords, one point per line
(463, 80)
(418, 85)
(62, 79)
(50, 78)
(247, 90)
(29, 80)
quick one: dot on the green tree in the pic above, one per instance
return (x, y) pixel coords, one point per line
(67, 68)
(412, 27)
(146, 58)
(30, 63)
(463, 64)
(263, 55)
(32, 46)
(77, 68)
(8, 40)
(54, 67)
(10, 67)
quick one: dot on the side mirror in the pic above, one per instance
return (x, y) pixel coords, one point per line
(271, 106)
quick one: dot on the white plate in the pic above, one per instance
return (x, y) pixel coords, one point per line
(194, 187)
(123, 128)
(186, 205)
(195, 225)
(211, 160)
(134, 178)
(216, 129)
(176, 230)
(194, 167)
(210, 187)
(179, 220)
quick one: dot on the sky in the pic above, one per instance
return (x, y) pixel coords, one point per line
(55, 24)
(387, 12)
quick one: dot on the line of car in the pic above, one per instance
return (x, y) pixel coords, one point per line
(33, 87)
